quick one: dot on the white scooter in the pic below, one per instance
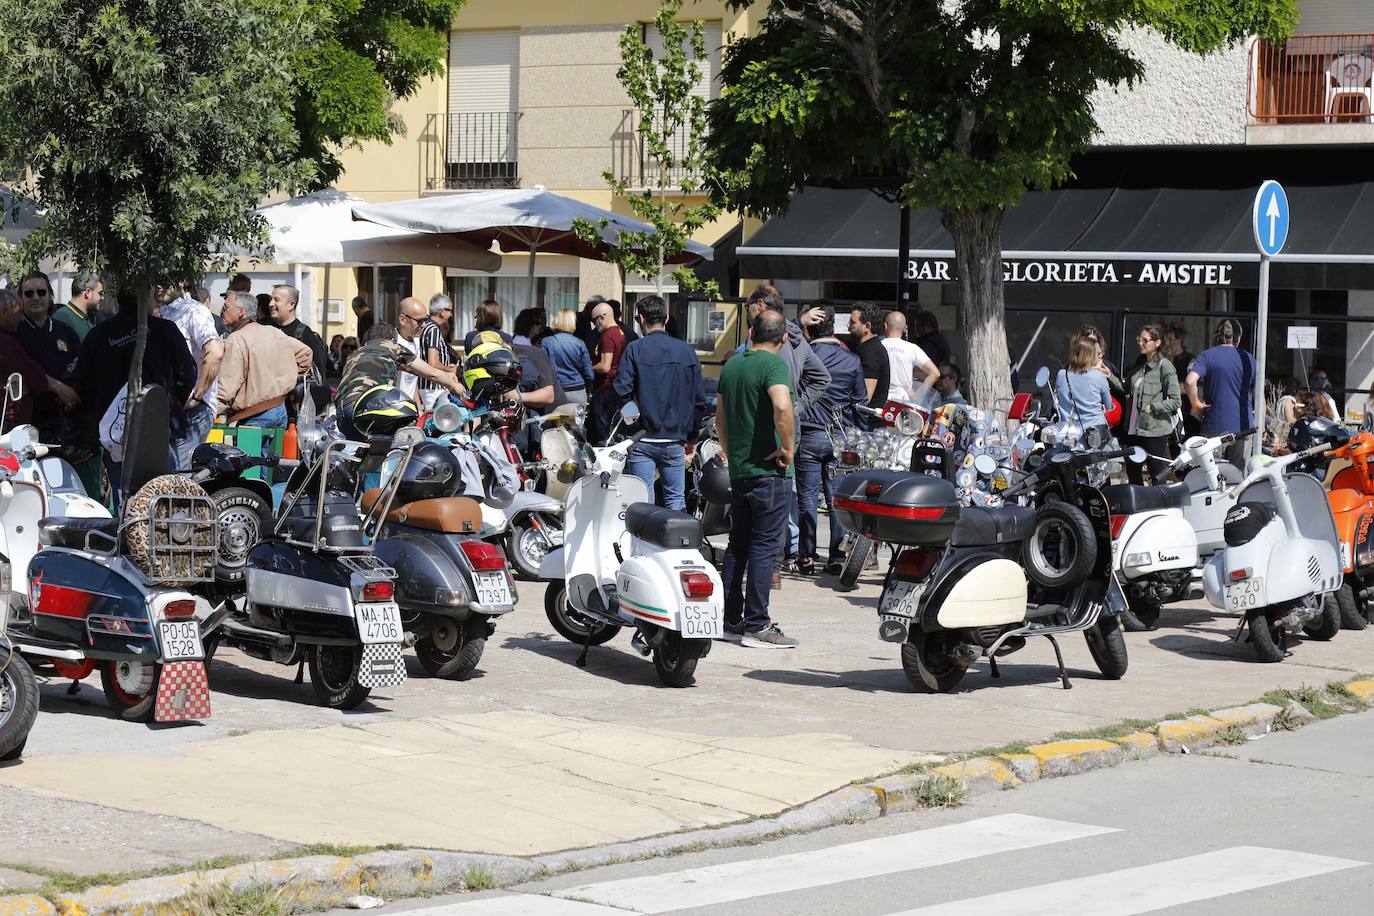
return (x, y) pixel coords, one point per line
(1281, 563)
(1154, 548)
(1213, 486)
(626, 562)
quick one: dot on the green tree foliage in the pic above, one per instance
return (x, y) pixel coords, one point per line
(148, 129)
(366, 53)
(956, 105)
(672, 130)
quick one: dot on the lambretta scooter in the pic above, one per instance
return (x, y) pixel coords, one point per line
(958, 588)
(628, 563)
(126, 595)
(316, 593)
(1281, 564)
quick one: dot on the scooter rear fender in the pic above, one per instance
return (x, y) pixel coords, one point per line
(650, 589)
(1164, 541)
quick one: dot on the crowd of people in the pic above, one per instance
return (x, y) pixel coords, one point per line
(783, 398)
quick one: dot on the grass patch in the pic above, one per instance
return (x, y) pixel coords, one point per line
(1195, 711)
(940, 791)
(477, 878)
(1343, 695)
(61, 883)
(1108, 732)
(1233, 734)
(257, 900)
(333, 849)
(914, 769)
(239, 732)
(1287, 721)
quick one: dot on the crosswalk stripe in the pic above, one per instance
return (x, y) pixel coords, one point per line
(518, 905)
(1150, 887)
(797, 871)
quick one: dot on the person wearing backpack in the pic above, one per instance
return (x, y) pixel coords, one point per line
(1155, 400)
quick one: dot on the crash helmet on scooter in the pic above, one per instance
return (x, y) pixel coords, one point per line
(1310, 432)
(714, 482)
(490, 369)
(432, 473)
(382, 410)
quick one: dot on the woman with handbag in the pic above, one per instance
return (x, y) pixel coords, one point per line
(1083, 390)
(1155, 400)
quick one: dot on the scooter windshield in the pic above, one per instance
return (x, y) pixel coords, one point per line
(1310, 506)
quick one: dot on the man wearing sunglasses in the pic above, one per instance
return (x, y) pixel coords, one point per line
(53, 347)
(83, 311)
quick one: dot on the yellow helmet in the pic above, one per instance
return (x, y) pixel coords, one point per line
(383, 409)
(489, 368)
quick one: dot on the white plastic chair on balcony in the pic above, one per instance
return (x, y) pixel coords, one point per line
(1346, 76)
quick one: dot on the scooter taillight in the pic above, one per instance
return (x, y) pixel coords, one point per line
(697, 585)
(379, 591)
(1118, 522)
(1239, 574)
(179, 610)
(484, 557)
(849, 458)
(914, 563)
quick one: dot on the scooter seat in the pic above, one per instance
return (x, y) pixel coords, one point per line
(666, 528)
(1128, 499)
(60, 531)
(980, 527)
(446, 515)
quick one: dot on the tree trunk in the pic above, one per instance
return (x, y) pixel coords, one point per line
(977, 236)
(145, 308)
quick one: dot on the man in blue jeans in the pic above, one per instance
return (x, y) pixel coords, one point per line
(662, 375)
(821, 420)
(755, 420)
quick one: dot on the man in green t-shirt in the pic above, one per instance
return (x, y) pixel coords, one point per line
(755, 420)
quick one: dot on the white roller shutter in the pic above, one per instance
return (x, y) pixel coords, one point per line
(483, 93)
(1335, 17)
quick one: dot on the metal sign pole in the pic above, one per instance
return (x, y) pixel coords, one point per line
(1261, 334)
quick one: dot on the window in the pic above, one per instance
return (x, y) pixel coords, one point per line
(483, 106)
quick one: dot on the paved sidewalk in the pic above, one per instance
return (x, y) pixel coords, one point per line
(534, 754)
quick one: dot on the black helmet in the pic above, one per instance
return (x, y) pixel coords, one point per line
(1309, 432)
(382, 410)
(490, 369)
(714, 483)
(432, 472)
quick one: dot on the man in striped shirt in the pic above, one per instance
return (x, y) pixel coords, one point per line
(434, 348)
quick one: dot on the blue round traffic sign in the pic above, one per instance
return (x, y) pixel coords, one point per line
(1270, 218)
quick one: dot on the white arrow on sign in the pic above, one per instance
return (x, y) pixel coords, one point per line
(1272, 214)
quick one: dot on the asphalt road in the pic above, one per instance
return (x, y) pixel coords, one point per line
(1278, 826)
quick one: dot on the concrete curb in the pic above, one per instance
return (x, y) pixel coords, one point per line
(326, 881)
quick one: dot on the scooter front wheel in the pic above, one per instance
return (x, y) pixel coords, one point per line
(859, 553)
(676, 659)
(334, 676)
(930, 662)
(131, 688)
(571, 625)
(527, 547)
(1352, 617)
(18, 703)
(1107, 646)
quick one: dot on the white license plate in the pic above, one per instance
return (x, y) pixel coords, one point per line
(180, 640)
(702, 621)
(900, 600)
(1245, 594)
(493, 589)
(379, 623)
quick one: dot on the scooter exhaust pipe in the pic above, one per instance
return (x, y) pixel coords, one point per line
(638, 643)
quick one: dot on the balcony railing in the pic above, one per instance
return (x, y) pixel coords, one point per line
(471, 150)
(632, 163)
(1313, 79)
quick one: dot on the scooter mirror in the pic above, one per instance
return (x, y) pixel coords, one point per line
(15, 386)
(985, 465)
(1136, 455)
(567, 472)
(1042, 376)
(408, 436)
(630, 413)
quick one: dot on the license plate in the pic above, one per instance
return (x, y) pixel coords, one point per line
(702, 621)
(900, 600)
(493, 589)
(1244, 595)
(379, 623)
(180, 640)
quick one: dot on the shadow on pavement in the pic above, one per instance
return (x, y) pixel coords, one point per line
(247, 683)
(607, 660)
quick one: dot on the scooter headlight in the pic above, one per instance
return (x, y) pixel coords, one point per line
(447, 417)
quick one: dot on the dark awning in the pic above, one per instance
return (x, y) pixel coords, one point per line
(853, 235)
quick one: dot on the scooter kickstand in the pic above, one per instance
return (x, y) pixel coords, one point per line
(300, 672)
(1059, 657)
(992, 662)
(586, 647)
(73, 688)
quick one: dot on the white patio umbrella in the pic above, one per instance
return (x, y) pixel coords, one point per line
(319, 229)
(526, 219)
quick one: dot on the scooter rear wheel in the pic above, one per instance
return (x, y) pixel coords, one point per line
(453, 648)
(334, 676)
(1266, 637)
(1140, 616)
(676, 659)
(1328, 624)
(930, 663)
(131, 688)
(571, 625)
(1351, 616)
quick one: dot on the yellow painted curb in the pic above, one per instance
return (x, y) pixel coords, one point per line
(980, 768)
(1139, 742)
(1189, 732)
(1362, 689)
(25, 905)
(1065, 758)
(1025, 766)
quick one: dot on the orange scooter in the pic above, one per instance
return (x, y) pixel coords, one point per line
(1351, 495)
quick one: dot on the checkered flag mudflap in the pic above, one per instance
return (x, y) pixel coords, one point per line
(183, 692)
(382, 666)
